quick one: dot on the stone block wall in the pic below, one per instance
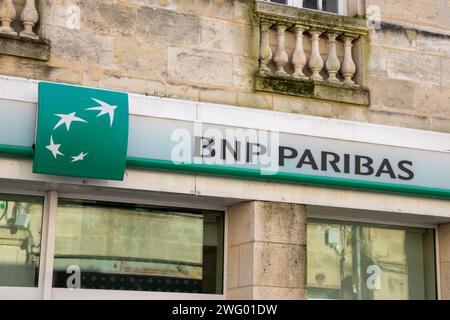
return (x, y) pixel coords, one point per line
(207, 50)
(267, 251)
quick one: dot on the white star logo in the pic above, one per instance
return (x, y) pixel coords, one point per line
(80, 157)
(54, 148)
(67, 119)
(104, 108)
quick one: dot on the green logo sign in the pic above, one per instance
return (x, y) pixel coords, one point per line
(81, 132)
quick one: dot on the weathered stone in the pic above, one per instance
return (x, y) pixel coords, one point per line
(445, 72)
(400, 119)
(255, 100)
(428, 100)
(435, 44)
(414, 67)
(177, 91)
(393, 36)
(95, 49)
(123, 83)
(243, 69)
(395, 94)
(312, 89)
(246, 264)
(445, 280)
(240, 223)
(304, 106)
(223, 36)
(233, 267)
(107, 17)
(274, 293)
(377, 60)
(280, 265)
(24, 47)
(146, 61)
(280, 222)
(444, 242)
(218, 96)
(163, 27)
(245, 293)
(200, 66)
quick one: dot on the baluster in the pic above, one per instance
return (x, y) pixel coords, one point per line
(299, 57)
(348, 68)
(29, 18)
(280, 57)
(265, 52)
(316, 61)
(332, 64)
(7, 16)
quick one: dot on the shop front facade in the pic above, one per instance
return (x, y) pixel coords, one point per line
(224, 150)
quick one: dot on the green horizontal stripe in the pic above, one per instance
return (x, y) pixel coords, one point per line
(242, 173)
(16, 151)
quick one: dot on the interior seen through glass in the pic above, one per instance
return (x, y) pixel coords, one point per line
(20, 240)
(132, 247)
(370, 262)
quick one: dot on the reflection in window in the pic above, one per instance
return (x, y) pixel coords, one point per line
(20, 240)
(132, 247)
(368, 262)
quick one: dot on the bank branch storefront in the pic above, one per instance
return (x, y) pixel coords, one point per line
(113, 195)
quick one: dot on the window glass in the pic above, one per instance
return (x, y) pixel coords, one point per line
(310, 4)
(330, 6)
(131, 247)
(20, 240)
(370, 262)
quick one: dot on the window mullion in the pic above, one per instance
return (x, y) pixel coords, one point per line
(50, 243)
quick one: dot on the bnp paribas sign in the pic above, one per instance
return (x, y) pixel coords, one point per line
(81, 132)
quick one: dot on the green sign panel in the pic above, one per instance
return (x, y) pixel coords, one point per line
(81, 132)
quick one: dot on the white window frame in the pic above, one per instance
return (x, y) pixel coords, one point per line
(342, 6)
(45, 290)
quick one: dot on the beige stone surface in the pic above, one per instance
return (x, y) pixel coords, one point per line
(267, 251)
(280, 265)
(247, 265)
(245, 293)
(275, 293)
(281, 223)
(233, 267)
(240, 223)
(207, 50)
(445, 281)
(444, 243)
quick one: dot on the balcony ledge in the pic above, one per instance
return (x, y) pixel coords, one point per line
(312, 89)
(311, 18)
(24, 47)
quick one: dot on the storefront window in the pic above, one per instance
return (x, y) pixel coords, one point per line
(132, 247)
(20, 240)
(370, 262)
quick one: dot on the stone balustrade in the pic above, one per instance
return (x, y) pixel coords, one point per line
(28, 18)
(311, 54)
(319, 54)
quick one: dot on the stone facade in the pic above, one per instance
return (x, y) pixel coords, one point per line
(267, 251)
(207, 50)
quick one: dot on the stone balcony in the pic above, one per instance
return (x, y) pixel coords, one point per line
(311, 54)
(18, 19)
